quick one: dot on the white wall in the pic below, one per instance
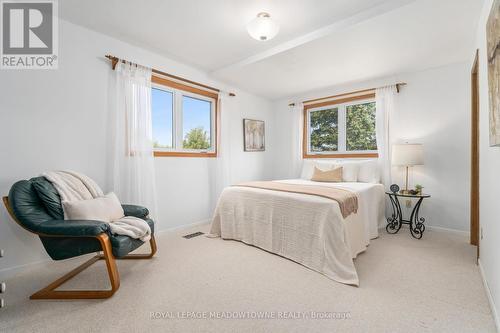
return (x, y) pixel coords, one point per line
(489, 185)
(184, 184)
(434, 109)
(57, 120)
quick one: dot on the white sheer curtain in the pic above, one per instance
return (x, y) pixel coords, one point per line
(385, 99)
(132, 168)
(296, 140)
(222, 164)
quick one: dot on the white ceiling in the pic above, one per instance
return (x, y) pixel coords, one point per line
(321, 42)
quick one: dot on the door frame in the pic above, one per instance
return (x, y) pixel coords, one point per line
(474, 188)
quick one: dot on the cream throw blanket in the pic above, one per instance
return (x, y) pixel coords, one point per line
(73, 186)
(347, 200)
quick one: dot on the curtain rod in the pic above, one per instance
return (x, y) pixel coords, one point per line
(114, 61)
(398, 86)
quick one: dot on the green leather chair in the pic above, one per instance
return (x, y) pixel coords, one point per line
(36, 206)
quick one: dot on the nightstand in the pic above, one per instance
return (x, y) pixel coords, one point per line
(416, 223)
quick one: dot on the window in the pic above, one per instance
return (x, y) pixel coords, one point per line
(162, 109)
(324, 127)
(360, 127)
(196, 124)
(342, 128)
(184, 120)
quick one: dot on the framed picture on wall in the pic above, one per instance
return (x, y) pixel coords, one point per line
(254, 135)
(493, 52)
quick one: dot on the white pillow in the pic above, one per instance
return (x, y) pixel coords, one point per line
(308, 167)
(106, 209)
(349, 170)
(369, 172)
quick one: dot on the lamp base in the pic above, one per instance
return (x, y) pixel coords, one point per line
(406, 191)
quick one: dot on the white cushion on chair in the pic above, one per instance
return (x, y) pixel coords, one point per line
(106, 209)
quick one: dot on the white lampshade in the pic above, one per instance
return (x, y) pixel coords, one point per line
(408, 154)
(263, 27)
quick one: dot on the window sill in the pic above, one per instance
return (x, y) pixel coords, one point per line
(341, 155)
(183, 154)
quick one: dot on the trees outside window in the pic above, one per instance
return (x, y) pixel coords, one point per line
(197, 138)
(342, 128)
(360, 127)
(324, 130)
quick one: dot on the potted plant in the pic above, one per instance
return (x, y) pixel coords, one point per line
(419, 188)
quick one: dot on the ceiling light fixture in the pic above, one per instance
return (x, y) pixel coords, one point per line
(263, 27)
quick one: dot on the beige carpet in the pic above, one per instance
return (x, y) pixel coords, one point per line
(407, 285)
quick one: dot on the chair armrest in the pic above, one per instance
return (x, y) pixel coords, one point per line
(72, 228)
(137, 211)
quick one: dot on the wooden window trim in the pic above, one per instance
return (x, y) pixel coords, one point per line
(354, 155)
(305, 154)
(339, 101)
(183, 154)
(180, 86)
(364, 92)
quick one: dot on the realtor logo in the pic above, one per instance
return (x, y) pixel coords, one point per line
(29, 34)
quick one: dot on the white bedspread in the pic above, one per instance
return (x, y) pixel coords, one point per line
(304, 228)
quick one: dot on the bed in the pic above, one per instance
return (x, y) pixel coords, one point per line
(307, 229)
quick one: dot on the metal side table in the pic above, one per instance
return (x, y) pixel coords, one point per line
(416, 223)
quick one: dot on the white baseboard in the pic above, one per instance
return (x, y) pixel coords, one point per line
(490, 297)
(431, 227)
(202, 222)
(7, 273)
(462, 232)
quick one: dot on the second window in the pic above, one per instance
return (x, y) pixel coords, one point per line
(342, 128)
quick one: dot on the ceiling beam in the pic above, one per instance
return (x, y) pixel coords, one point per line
(372, 12)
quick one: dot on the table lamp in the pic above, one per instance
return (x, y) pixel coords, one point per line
(407, 155)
